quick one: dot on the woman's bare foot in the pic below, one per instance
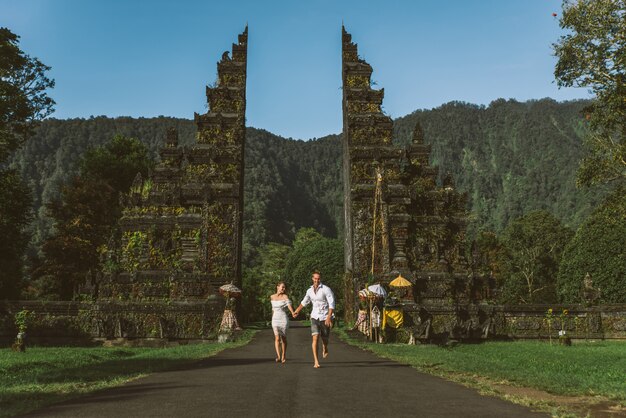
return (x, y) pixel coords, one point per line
(277, 360)
(283, 360)
(325, 352)
(317, 366)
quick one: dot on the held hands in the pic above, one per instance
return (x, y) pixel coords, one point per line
(294, 314)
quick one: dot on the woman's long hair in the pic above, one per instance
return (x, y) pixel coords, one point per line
(279, 283)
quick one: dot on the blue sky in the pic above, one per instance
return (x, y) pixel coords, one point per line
(150, 58)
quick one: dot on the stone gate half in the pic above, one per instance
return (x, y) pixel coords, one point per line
(397, 220)
(181, 228)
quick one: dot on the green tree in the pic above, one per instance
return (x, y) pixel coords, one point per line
(597, 249)
(15, 214)
(529, 261)
(304, 236)
(23, 85)
(593, 54)
(23, 101)
(312, 252)
(117, 162)
(259, 282)
(86, 214)
(84, 217)
(487, 250)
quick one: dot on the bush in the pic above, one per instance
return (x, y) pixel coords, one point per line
(597, 249)
(532, 248)
(317, 253)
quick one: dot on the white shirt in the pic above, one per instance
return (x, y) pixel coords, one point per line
(322, 300)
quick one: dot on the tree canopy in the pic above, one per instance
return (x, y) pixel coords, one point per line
(87, 213)
(15, 215)
(529, 262)
(510, 157)
(597, 249)
(23, 101)
(23, 96)
(593, 54)
(311, 251)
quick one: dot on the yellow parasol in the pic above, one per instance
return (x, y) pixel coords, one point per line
(400, 282)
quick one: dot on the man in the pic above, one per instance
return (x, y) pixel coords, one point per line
(323, 301)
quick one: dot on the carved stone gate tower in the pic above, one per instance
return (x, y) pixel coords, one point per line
(181, 229)
(397, 220)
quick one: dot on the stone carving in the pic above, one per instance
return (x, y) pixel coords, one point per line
(589, 293)
(396, 217)
(181, 227)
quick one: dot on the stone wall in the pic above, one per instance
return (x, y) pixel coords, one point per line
(79, 322)
(489, 322)
(82, 322)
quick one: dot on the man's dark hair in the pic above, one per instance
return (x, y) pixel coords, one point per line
(315, 272)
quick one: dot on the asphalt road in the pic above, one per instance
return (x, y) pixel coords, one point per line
(246, 382)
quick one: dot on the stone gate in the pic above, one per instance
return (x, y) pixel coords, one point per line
(181, 229)
(397, 220)
(181, 232)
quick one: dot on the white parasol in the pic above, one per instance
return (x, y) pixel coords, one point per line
(375, 290)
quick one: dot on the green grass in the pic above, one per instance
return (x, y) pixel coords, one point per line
(44, 375)
(586, 368)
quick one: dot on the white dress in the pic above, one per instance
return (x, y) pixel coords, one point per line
(280, 320)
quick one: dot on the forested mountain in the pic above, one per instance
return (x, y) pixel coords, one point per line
(290, 183)
(510, 157)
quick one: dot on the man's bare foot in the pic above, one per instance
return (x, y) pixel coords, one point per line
(317, 366)
(325, 352)
(283, 360)
(277, 360)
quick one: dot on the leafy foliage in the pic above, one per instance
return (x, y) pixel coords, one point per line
(86, 214)
(292, 264)
(23, 100)
(312, 252)
(593, 54)
(15, 214)
(533, 246)
(511, 158)
(23, 85)
(259, 282)
(487, 250)
(597, 249)
(117, 162)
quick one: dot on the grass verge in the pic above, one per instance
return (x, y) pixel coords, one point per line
(45, 375)
(593, 371)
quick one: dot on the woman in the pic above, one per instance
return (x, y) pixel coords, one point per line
(280, 322)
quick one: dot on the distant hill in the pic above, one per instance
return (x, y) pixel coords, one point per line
(510, 157)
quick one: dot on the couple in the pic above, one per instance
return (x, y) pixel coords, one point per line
(321, 316)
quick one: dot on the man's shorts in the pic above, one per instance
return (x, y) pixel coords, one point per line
(319, 327)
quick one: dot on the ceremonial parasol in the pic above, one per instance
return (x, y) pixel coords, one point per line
(400, 282)
(230, 289)
(375, 291)
(229, 320)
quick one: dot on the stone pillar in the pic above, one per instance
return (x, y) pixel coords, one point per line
(367, 153)
(182, 227)
(217, 163)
